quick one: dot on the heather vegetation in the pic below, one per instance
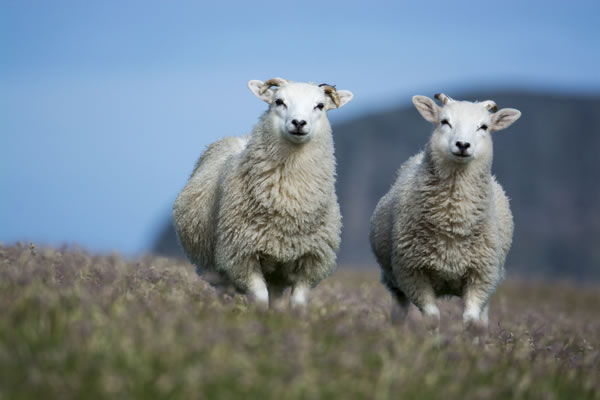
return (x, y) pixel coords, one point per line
(75, 325)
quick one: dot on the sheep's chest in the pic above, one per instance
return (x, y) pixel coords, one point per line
(451, 236)
(281, 210)
(449, 260)
(285, 237)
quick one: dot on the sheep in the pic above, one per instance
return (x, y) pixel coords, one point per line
(261, 211)
(445, 226)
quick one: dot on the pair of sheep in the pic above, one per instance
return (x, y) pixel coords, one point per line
(261, 211)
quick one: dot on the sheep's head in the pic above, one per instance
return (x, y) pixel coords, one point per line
(462, 129)
(298, 110)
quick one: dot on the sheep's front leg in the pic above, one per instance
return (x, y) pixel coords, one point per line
(417, 287)
(257, 289)
(476, 298)
(299, 296)
(400, 302)
(484, 318)
(307, 266)
(400, 305)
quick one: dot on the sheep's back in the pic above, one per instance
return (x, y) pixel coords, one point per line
(504, 218)
(195, 208)
(386, 213)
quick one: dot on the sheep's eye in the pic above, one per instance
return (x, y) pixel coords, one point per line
(279, 102)
(484, 127)
(320, 106)
(445, 122)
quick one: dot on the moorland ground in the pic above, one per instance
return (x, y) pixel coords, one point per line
(77, 325)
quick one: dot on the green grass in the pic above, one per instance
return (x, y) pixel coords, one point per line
(74, 325)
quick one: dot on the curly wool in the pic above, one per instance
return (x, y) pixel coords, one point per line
(257, 204)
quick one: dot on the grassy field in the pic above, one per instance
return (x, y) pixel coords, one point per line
(75, 325)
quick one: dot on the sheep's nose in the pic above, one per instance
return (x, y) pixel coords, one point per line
(298, 124)
(462, 145)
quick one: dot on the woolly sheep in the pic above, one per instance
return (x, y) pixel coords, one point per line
(445, 226)
(261, 211)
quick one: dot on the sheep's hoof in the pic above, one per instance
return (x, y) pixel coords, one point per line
(398, 313)
(298, 306)
(278, 305)
(476, 329)
(299, 297)
(431, 315)
(260, 305)
(432, 323)
(258, 302)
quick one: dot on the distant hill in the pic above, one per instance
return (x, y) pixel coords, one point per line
(547, 162)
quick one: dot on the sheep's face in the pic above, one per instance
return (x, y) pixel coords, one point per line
(462, 129)
(298, 111)
(462, 133)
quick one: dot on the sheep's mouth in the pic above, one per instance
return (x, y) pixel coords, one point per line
(462, 156)
(298, 132)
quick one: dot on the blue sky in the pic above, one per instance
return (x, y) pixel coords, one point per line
(105, 106)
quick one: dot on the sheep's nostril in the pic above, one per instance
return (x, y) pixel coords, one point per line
(298, 124)
(463, 145)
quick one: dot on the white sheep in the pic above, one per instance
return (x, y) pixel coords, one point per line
(261, 211)
(445, 226)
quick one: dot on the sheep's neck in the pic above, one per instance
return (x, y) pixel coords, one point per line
(288, 178)
(455, 199)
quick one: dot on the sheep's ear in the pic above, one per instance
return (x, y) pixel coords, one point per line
(504, 118)
(335, 98)
(256, 87)
(427, 108)
(263, 90)
(345, 97)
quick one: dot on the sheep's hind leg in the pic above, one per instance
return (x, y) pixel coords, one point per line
(417, 288)
(400, 304)
(276, 300)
